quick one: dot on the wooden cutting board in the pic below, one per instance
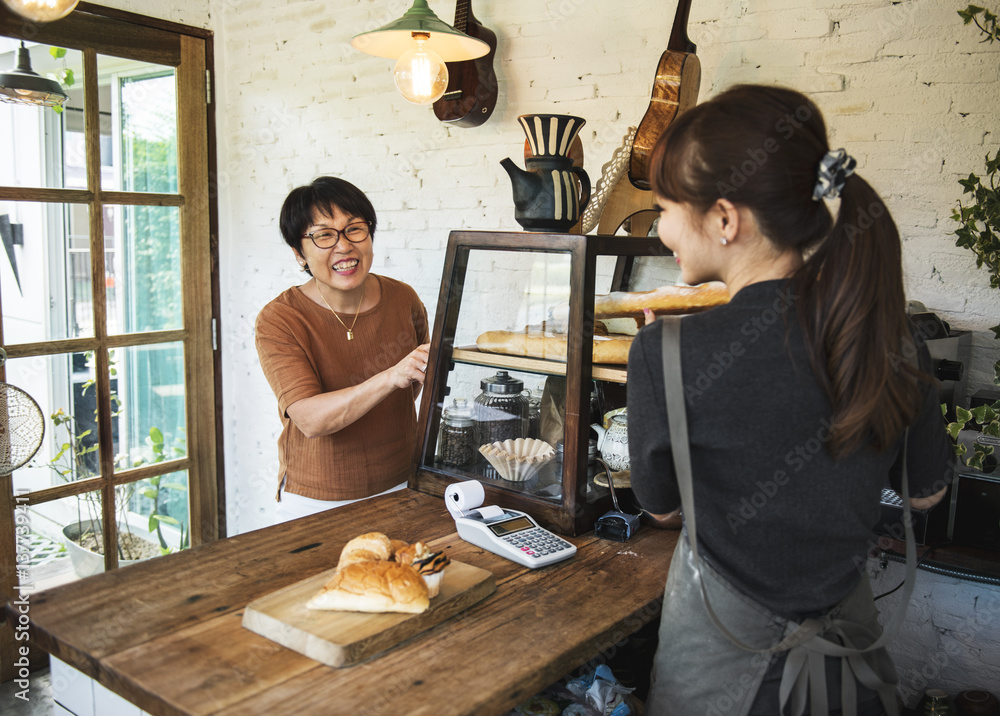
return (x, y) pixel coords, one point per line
(345, 638)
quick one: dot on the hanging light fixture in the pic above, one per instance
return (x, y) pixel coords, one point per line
(421, 43)
(22, 86)
(42, 10)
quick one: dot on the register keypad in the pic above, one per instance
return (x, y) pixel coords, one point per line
(536, 542)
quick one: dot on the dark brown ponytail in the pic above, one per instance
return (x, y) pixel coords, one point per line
(852, 308)
(760, 147)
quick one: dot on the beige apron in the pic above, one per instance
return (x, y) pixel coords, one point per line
(716, 643)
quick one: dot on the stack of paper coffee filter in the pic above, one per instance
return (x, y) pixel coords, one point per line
(518, 460)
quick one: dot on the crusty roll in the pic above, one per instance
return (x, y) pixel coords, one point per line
(380, 586)
(372, 546)
(531, 342)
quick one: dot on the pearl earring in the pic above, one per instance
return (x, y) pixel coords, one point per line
(724, 240)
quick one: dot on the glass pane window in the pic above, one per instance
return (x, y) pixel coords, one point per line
(149, 133)
(45, 271)
(24, 129)
(63, 387)
(60, 539)
(150, 399)
(160, 506)
(143, 275)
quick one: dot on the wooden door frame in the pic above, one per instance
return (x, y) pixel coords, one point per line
(191, 49)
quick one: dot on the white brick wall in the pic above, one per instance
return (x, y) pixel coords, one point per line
(905, 87)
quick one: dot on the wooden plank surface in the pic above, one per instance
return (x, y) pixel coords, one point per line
(166, 634)
(471, 354)
(338, 638)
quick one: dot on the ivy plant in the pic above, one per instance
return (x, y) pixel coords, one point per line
(978, 212)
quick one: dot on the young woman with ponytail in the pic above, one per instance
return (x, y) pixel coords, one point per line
(800, 395)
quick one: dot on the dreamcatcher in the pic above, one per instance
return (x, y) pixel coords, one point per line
(22, 425)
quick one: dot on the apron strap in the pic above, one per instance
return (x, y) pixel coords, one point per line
(805, 644)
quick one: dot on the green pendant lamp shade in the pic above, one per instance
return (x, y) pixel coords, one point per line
(395, 38)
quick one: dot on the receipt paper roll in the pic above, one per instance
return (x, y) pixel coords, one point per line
(464, 498)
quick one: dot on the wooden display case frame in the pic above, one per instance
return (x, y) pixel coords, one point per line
(573, 515)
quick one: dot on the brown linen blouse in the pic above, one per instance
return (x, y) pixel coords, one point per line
(304, 352)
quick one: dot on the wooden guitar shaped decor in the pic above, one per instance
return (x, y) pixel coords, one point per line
(472, 84)
(675, 89)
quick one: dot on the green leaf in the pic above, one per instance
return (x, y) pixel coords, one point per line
(174, 486)
(167, 519)
(156, 434)
(57, 52)
(68, 78)
(954, 429)
(962, 415)
(150, 493)
(970, 184)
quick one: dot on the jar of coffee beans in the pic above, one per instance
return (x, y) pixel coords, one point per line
(458, 441)
(501, 410)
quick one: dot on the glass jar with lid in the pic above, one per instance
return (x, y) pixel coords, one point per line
(459, 444)
(501, 410)
(535, 412)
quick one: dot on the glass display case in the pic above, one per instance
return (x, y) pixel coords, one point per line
(528, 300)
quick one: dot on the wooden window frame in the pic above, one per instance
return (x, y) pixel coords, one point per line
(95, 30)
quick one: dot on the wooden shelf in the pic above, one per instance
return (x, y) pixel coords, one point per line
(474, 356)
(963, 560)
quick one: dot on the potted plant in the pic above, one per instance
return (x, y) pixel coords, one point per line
(83, 537)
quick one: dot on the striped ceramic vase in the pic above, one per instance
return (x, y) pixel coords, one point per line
(550, 195)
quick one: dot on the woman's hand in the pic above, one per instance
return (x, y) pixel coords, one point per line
(327, 413)
(411, 369)
(648, 315)
(669, 521)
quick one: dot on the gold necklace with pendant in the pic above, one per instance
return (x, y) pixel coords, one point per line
(350, 331)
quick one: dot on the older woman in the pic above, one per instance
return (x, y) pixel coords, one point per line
(344, 353)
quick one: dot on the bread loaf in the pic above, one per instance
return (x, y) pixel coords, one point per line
(380, 586)
(533, 343)
(663, 301)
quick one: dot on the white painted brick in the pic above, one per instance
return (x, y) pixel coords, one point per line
(804, 80)
(794, 25)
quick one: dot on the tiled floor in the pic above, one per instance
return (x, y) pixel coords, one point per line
(39, 695)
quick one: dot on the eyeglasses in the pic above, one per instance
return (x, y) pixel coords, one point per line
(328, 238)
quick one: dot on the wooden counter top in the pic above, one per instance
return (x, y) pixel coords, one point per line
(166, 634)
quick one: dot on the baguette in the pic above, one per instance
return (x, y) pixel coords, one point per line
(663, 301)
(533, 343)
